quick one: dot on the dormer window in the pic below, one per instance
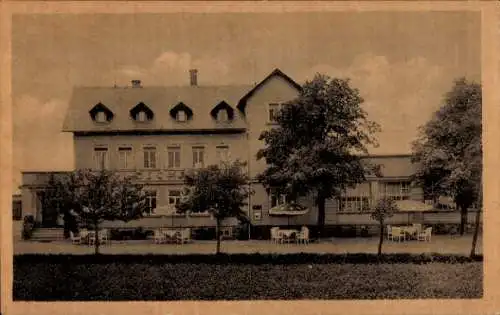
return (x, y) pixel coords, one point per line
(141, 113)
(141, 116)
(222, 115)
(100, 117)
(181, 116)
(101, 114)
(181, 112)
(222, 112)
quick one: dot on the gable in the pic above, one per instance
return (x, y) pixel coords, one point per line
(275, 76)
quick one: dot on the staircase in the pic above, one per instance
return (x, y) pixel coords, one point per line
(48, 234)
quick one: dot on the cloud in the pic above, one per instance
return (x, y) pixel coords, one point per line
(38, 143)
(400, 96)
(172, 68)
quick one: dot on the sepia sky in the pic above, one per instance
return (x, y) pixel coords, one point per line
(402, 63)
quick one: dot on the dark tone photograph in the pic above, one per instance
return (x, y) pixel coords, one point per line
(247, 156)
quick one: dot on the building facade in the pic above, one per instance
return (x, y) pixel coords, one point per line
(158, 133)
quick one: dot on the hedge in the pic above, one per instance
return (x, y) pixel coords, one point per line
(252, 259)
(116, 281)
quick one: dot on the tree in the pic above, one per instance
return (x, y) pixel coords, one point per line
(96, 196)
(384, 209)
(318, 143)
(221, 190)
(477, 222)
(55, 203)
(448, 152)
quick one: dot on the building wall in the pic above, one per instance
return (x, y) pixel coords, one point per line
(276, 90)
(84, 148)
(242, 146)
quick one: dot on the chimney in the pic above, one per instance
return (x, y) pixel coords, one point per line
(136, 83)
(193, 74)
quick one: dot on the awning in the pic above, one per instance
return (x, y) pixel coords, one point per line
(288, 210)
(446, 202)
(413, 206)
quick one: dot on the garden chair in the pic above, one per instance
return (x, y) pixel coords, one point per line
(75, 239)
(389, 232)
(84, 235)
(103, 236)
(275, 235)
(183, 236)
(303, 236)
(159, 237)
(398, 233)
(425, 235)
(91, 237)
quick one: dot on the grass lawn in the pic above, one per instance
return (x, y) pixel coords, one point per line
(51, 281)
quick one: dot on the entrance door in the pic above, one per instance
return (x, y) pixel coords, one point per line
(49, 215)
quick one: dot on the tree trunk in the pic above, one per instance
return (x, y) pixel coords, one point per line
(476, 233)
(381, 240)
(96, 244)
(67, 225)
(217, 236)
(320, 202)
(463, 219)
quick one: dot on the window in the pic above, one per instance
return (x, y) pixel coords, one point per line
(124, 157)
(222, 115)
(173, 157)
(356, 199)
(222, 153)
(151, 197)
(101, 117)
(101, 114)
(198, 157)
(141, 116)
(278, 199)
(354, 204)
(181, 115)
(101, 158)
(274, 110)
(174, 196)
(149, 157)
(397, 190)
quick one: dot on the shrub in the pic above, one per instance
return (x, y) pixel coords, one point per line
(28, 226)
(246, 259)
(148, 279)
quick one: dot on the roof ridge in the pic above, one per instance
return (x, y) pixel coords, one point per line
(161, 86)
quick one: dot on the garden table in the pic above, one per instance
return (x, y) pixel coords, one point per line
(411, 231)
(170, 233)
(287, 234)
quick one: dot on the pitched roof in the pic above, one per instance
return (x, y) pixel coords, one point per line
(161, 100)
(200, 99)
(276, 73)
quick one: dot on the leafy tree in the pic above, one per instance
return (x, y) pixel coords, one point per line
(318, 143)
(55, 203)
(98, 196)
(448, 152)
(220, 189)
(384, 209)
